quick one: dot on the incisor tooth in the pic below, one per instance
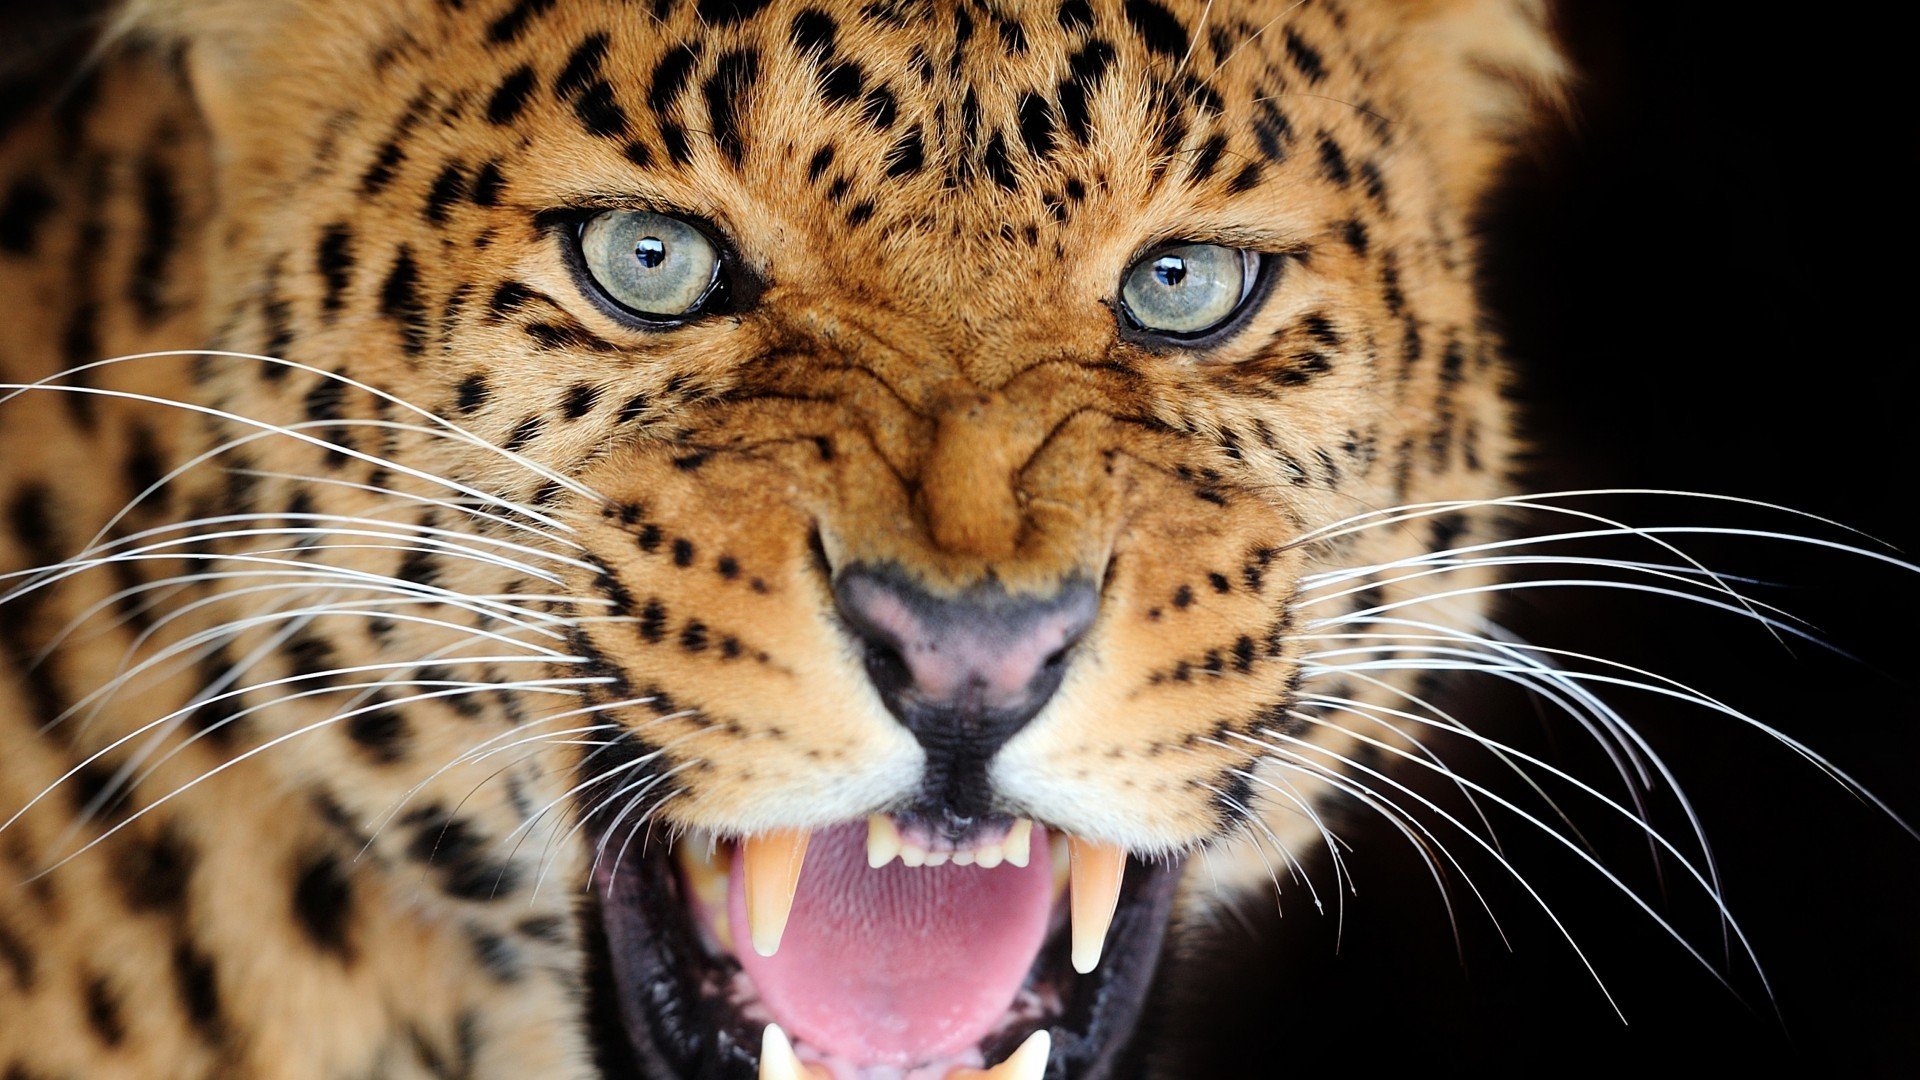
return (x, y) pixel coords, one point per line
(1097, 872)
(989, 857)
(883, 840)
(772, 865)
(937, 858)
(1019, 842)
(779, 1062)
(963, 858)
(1027, 1063)
(912, 855)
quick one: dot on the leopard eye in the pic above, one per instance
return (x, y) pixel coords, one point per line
(656, 267)
(1188, 290)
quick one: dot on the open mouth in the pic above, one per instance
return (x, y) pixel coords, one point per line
(879, 950)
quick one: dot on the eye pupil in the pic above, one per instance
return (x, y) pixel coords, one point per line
(1171, 270)
(651, 251)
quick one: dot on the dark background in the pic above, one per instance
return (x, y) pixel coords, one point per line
(1706, 282)
(1705, 279)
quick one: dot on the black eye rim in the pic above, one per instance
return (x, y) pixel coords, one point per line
(732, 290)
(1266, 271)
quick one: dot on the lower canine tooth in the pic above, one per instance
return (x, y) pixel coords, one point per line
(883, 840)
(1097, 870)
(1019, 842)
(1027, 1063)
(772, 863)
(779, 1062)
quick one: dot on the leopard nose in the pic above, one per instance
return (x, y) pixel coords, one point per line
(963, 674)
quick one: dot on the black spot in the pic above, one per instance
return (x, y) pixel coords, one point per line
(508, 27)
(908, 155)
(448, 187)
(400, 301)
(27, 204)
(1076, 15)
(726, 89)
(728, 12)
(1219, 582)
(523, 433)
(1305, 57)
(599, 113)
(487, 184)
(15, 959)
(567, 334)
(582, 68)
(1333, 161)
(451, 845)
(160, 214)
(693, 636)
(546, 929)
(509, 297)
(197, 984)
(670, 76)
(382, 732)
(1086, 69)
(324, 400)
(880, 109)
(860, 214)
(650, 537)
(381, 171)
(103, 1012)
(1183, 596)
(1355, 234)
(1207, 159)
(496, 954)
(511, 96)
(472, 394)
(154, 874)
(1272, 132)
(653, 622)
(323, 905)
(996, 164)
(1036, 125)
(842, 83)
(1246, 179)
(1158, 28)
(580, 401)
(822, 158)
(813, 33)
(683, 552)
(640, 154)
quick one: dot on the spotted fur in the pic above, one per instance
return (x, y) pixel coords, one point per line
(934, 203)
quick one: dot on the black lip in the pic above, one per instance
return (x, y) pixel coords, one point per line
(651, 980)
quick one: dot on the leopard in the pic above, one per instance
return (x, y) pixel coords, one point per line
(719, 538)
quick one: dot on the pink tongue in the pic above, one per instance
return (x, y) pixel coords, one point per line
(898, 966)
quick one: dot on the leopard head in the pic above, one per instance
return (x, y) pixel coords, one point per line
(935, 427)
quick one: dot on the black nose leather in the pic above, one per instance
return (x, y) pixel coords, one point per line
(963, 674)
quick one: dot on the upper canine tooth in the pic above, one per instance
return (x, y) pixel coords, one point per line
(779, 1062)
(1019, 842)
(883, 840)
(1097, 871)
(772, 863)
(1027, 1063)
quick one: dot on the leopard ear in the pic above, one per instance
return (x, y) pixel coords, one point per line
(1482, 75)
(232, 48)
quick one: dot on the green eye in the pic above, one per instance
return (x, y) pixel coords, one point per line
(655, 266)
(1186, 290)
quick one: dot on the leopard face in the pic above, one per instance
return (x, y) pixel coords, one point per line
(917, 427)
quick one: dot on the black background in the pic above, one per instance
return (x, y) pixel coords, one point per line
(1705, 280)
